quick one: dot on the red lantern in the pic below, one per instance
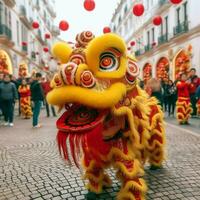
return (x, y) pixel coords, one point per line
(154, 44)
(47, 36)
(35, 25)
(46, 49)
(89, 5)
(24, 43)
(129, 48)
(106, 29)
(176, 1)
(157, 20)
(63, 25)
(37, 53)
(132, 43)
(138, 9)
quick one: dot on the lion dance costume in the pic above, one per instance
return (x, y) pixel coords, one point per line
(109, 120)
(183, 105)
(25, 101)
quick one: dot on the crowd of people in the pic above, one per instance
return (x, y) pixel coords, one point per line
(182, 94)
(30, 94)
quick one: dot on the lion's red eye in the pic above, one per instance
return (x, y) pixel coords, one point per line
(108, 62)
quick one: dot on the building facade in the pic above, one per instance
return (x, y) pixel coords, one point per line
(162, 51)
(20, 43)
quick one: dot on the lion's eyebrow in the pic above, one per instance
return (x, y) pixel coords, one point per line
(115, 51)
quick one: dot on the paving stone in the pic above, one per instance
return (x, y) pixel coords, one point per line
(31, 167)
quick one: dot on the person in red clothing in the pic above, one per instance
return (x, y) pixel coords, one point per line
(47, 88)
(183, 105)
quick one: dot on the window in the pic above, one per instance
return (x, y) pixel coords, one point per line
(178, 16)
(119, 20)
(153, 34)
(6, 16)
(166, 26)
(17, 32)
(148, 38)
(1, 13)
(185, 11)
(125, 9)
(161, 29)
(10, 21)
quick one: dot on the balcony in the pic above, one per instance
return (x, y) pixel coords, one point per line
(147, 48)
(55, 31)
(10, 3)
(181, 28)
(6, 35)
(25, 49)
(39, 37)
(163, 39)
(24, 18)
(138, 52)
(162, 2)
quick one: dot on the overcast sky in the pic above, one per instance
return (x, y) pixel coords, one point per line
(79, 19)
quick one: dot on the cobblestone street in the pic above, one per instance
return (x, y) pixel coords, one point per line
(31, 168)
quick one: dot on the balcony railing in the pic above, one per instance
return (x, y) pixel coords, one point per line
(138, 52)
(25, 49)
(162, 2)
(181, 28)
(4, 30)
(163, 39)
(147, 48)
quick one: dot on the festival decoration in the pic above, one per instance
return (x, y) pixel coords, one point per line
(198, 107)
(63, 25)
(89, 5)
(147, 72)
(182, 62)
(108, 119)
(25, 101)
(162, 69)
(157, 20)
(35, 25)
(24, 44)
(3, 64)
(176, 1)
(106, 29)
(47, 36)
(138, 9)
(46, 49)
(132, 43)
(154, 44)
(23, 70)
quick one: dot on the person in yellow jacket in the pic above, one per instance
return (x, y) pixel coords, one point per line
(25, 99)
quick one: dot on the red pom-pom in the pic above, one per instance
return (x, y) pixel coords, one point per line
(35, 25)
(24, 43)
(45, 49)
(106, 29)
(138, 9)
(154, 44)
(63, 25)
(157, 20)
(176, 1)
(47, 36)
(132, 43)
(89, 5)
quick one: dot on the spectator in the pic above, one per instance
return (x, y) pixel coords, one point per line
(165, 94)
(46, 88)
(198, 100)
(37, 97)
(1, 80)
(172, 97)
(25, 99)
(183, 103)
(193, 87)
(8, 95)
(153, 88)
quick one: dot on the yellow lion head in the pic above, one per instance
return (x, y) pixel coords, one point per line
(97, 73)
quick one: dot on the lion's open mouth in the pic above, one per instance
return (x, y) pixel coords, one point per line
(78, 118)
